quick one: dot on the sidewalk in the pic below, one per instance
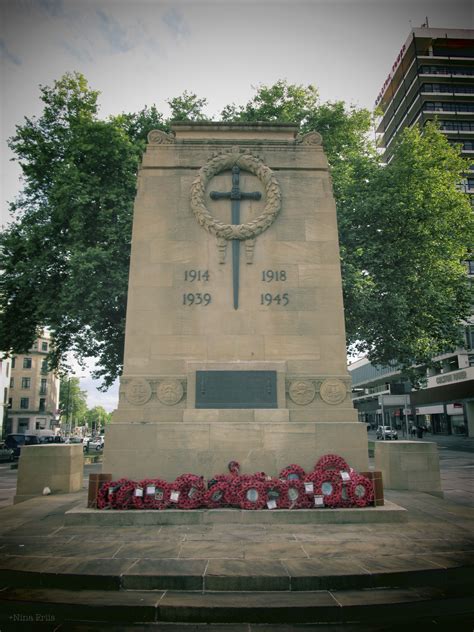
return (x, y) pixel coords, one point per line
(458, 443)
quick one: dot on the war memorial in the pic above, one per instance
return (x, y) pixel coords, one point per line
(235, 342)
(234, 353)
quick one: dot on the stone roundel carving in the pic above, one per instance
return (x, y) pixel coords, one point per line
(247, 162)
(302, 392)
(333, 391)
(170, 392)
(138, 391)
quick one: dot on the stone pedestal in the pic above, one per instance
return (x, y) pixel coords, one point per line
(208, 294)
(412, 465)
(57, 466)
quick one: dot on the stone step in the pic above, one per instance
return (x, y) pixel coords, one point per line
(28, 606)
(387, 513)
(227, 575)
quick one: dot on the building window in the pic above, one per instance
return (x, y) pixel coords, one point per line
(10, 402)
(25, 403)
(470, 266)
(27, 363)
(12, 382)
(44, 366)
(23, 424)
(44, 346)
(26, 382)
(5, 395)
(42, 405)
(43, 386)
(13, 362)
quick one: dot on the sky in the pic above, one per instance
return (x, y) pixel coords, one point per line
(144, 52)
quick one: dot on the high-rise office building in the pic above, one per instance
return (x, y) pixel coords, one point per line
(431, 77)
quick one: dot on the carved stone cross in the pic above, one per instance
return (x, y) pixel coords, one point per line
(235, 195)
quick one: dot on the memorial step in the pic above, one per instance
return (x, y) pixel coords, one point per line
(218, 575)
(421, 604)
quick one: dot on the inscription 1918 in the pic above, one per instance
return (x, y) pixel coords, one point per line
(273, 275)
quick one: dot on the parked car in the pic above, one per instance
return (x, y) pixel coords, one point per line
(74, 440)
(96, 443)
(51, 439)
(15, 442)
(385, 432)
(6, 454)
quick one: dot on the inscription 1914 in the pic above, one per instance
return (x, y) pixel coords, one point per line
(196, 275)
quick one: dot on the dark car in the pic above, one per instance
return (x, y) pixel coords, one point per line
(16, 441)
(50, 439)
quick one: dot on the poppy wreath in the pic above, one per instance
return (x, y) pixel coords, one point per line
(215, 496)
(327, 483)
(293, 472)
(232, 493)
(275, 490)
(159, 499)
(294, 495)
(346, 499)
(331, 462)
(124, 496)
(252, 495)
(360, 490)
(219, 478)
(103, 499)
(107, 493)
(234, 468)
(191, 491)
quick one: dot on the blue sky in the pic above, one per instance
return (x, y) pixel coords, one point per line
(138, 52)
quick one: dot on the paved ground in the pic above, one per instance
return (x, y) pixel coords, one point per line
(435, 545)
(432, 550)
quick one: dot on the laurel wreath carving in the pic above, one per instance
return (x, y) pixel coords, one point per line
(247, 162)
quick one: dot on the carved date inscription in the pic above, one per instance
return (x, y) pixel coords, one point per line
(196, 298)
(274, 299)
(273, 275)
(196, 275)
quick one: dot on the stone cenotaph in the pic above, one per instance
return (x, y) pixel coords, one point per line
(235, 343)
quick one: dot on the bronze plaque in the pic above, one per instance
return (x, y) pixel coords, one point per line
(236, 389)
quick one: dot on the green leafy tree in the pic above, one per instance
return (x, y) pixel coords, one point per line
(65, 258)
(405, 229)
(72, 402)
(97, 418)
(187, 107)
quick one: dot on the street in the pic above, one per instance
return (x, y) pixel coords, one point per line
(456, 455)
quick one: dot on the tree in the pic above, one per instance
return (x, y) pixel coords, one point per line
(72, 402)
(405, 229)
(96, 418)
(187, 107)
(65, 258)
